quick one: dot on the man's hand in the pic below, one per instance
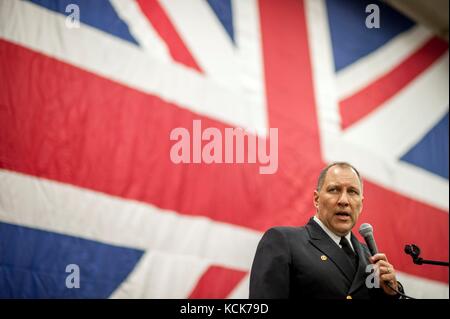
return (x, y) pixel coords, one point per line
(386, 272)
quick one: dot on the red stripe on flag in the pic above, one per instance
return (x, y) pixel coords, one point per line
(360, 104)
(217, 283)
(162, 24)
(75, 127)
(398, 221)
(291, 109)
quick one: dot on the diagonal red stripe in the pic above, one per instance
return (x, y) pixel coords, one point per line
(398, 220)
(217, 283)
(167, 31)
(362, 103)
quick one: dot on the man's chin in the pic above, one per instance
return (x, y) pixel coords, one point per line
(343, 229)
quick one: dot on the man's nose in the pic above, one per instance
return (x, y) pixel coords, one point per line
(343, 200)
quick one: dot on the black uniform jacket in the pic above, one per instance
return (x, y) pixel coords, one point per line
(304, 262)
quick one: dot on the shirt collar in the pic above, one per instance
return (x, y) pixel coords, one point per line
(333, 236)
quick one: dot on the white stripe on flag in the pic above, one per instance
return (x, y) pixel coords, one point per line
(421, 288)
(402, 121)
(205, 38)
(141, 29)
(329, 119)
(241, 291)
(249, 52)
(358, 75)
(66, 209)
(162, 275)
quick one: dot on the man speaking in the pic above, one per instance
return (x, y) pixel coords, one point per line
(323, 259)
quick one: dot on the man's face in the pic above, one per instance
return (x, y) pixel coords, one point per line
(339, 201)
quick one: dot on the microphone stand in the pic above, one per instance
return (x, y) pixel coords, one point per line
(421, 261)
(414, 251)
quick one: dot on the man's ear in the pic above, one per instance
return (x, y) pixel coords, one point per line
(316, 199)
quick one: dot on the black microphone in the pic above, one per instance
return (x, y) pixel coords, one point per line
(366, 230)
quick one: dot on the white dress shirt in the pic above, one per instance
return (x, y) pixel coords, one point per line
(333, 236)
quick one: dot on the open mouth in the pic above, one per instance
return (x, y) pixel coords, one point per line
(343, 215)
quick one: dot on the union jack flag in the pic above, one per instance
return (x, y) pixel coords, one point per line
(86, 111)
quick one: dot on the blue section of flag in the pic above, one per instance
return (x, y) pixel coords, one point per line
(224, 12)
(425, 154)
(351, 39)
(98, 14)
(33, 264)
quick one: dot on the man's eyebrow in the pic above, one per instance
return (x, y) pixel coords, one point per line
(340, 185)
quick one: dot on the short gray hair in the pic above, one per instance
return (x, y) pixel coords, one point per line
(323, 173)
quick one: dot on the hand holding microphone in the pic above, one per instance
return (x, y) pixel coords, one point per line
(388, 280)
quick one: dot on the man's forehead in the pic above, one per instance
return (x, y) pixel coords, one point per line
(339, 175)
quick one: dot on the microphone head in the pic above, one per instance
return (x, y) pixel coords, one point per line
(366, 230)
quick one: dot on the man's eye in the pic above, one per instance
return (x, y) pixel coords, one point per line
(352, 191)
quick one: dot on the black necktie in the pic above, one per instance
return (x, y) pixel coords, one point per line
(348, 251)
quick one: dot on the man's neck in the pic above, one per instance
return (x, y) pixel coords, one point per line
(335, 237)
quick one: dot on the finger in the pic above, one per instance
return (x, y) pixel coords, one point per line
(382, 263)
(377, 257)
(386, 270)
(387, 278)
